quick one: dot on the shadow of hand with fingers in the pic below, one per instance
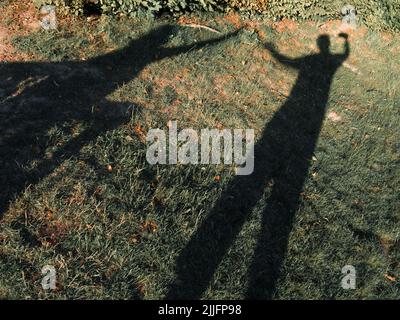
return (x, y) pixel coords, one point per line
(282, 159)
(38, 96)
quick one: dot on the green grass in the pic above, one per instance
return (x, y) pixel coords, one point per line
(97, 225)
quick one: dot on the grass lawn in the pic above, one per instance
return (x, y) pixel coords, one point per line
(79, 194)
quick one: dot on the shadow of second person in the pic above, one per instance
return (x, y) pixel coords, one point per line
(38, 96)
(282, 159)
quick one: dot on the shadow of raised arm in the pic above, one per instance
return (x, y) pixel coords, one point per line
(169, 52)
(346, 52)
(290, 62)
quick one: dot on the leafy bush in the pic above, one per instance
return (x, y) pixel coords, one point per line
(380, 14)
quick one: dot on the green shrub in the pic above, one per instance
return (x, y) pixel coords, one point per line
(380, 14)
(133, 7)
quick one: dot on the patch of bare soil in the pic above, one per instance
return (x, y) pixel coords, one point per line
(18, 18)
(6, 50)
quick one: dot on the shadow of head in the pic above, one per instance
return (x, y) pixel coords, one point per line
(157, 37)
(141, 50)
(324, 43)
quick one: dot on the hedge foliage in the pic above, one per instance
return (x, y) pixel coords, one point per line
(380, 14)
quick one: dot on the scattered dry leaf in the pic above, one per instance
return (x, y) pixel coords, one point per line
(128, 138)
(141, 289)
(390, 278)
(149, 226)
(333, 116)
(134, 239)
(157, 201)
(314, 174)
(139, 132)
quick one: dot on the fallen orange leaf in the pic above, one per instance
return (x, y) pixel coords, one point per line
(149, 226)
(139, 132)
(390, 278)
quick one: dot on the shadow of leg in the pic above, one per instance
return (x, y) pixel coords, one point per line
(204, 252)
(277, 224)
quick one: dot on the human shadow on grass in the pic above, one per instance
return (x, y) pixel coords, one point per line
(38, 96)
(282, 160)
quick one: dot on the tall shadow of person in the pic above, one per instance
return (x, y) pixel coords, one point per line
(282, 159)
(38, 96)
